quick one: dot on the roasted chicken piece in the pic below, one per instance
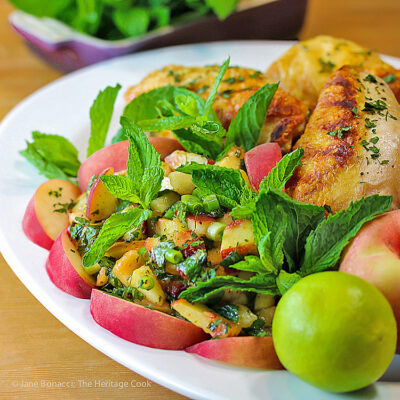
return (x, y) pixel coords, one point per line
(307, 65)
(286, 117)
(351, 143)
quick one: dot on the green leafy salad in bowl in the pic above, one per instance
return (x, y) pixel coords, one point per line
(191, 243)
(118, 19)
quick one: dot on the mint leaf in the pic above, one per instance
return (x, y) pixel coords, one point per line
(42, 8)
(245, 128)
(144, 164)
(282, 171)
(197, 143)
(114, 227)
(260, 283)
(100, 117)
(168, 123)
(286, 280)
(269, 225)
(131, 21)
(325, 244)
(120, 187)
(226, 183)
(213, 92)
(300, 219)
(251, 264)
(53, 155)
(223, 8)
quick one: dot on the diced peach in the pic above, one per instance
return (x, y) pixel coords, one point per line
(238, 236)
(206, 319)
(180, 157)
(199, 223)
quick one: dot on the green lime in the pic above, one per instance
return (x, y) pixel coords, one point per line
(335, 331)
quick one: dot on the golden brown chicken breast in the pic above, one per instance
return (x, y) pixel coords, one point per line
(286, 117)
(307, 65)
(351, 143)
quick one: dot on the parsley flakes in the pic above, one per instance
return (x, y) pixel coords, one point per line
(339, 132)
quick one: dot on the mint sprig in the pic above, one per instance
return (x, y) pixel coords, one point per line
(53, 156)
(114, 227)
(144, 172)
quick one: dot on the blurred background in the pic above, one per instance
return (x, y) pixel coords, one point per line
(35, 52)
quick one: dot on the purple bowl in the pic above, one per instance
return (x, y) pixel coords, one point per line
(68, 49)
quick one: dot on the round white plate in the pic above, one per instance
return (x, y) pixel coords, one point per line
(63, 108)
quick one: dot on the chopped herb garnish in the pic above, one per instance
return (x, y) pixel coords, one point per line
(369, 123)
(370, 78)
(355, 113)
(372, 106)
(390, 78)
(326, 66)
(339, 132)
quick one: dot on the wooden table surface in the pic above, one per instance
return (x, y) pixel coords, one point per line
(42, 359)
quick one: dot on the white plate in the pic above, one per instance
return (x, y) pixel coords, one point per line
(63, 107)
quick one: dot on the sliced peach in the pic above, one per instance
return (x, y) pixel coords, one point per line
(65, 269)
(244, 351)
(142, 325)
(374, 255)
(101, 203)
(260, 160)
(46, 214)
(238, 236)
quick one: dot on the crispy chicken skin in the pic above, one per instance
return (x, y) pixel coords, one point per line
(286, 117)
(307, 65)
(342, 166)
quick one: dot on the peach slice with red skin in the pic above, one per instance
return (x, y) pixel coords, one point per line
(199, 224)
(374, 255)
(260, 160)
(243, 351)
(65, 269)
(116, 156)
(238, 236)
(143, 326)
(42, 223)
(101, 203)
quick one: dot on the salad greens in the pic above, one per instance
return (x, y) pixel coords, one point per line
(117, 19)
